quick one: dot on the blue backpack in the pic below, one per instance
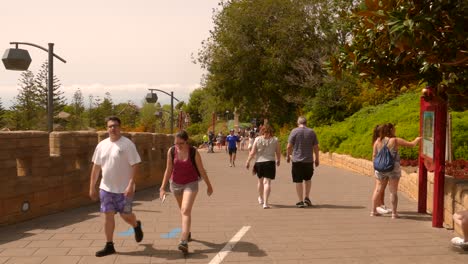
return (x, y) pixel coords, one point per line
(383, 161)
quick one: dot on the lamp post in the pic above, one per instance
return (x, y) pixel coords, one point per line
(19, 60)
(153, 98)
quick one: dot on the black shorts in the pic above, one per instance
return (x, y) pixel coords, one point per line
(302, 171)
(265, 169)
(232, 150)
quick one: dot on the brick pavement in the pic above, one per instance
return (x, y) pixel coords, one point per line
(337, 229)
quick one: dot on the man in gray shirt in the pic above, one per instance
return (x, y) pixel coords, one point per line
(303, 144)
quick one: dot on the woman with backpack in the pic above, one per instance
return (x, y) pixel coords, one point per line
(184, 168)
(388, 139)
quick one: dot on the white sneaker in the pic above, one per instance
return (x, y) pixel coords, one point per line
(384, 209)
(459, 242)
(380, 210)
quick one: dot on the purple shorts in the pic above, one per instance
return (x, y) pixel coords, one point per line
(115, 202)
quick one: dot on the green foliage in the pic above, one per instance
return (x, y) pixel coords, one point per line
(40, 81)
(196, 129)
(334, 101)
(195, 140)
(399, 43)
(460, 135)
(26, 111)
(354, 135)
(265, 56)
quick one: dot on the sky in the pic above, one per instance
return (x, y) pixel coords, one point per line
(122, 47)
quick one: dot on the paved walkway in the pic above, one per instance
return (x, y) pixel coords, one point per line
(337, 229)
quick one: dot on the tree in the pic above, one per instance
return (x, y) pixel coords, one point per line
(40, 81)
(2, 115)
(253, 53)
(76, 108)
(401, 43)
(128, 114)
(26, 104)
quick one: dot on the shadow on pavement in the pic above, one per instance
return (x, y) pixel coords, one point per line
(414, 216)
(319, 206)
(251, 249)
(337, 206)
(63, 219)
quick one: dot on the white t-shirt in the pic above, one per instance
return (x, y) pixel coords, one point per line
(116, 160)
(266, 148)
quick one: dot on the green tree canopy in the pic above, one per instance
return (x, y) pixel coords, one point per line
(265, 56)
(397, 43)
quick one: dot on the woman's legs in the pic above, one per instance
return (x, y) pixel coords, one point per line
(187, 201)
(393, 186)
(260, 190)
(267, 190)
(376, 196)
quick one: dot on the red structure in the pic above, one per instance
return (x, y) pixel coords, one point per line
(433, 122)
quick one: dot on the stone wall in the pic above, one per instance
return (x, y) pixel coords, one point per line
(50, 172)
(456, 191)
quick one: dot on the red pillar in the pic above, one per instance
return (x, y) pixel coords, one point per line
(439, 160)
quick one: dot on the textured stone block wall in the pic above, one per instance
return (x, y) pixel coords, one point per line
(50, 172)
(456, 191)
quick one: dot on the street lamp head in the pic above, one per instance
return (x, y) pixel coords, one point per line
(16, 59)
(151, 98)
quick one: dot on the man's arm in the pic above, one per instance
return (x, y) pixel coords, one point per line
(92, 182)
(130, 191)
(289, 149)
(316, 153)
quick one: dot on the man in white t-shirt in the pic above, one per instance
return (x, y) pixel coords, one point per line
(119, 161)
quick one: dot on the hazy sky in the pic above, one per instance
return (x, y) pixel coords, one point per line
(117, 46)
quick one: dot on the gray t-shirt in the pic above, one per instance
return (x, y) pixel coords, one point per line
(303, 140)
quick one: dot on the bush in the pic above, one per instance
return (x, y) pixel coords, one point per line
(196, 140)
(354, 135)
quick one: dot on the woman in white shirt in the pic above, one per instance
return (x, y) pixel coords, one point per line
(267, 154)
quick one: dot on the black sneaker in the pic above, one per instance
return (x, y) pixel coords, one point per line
(307, 201)
(108, 250)
(300, 204)
(138, 232)
(183, 246)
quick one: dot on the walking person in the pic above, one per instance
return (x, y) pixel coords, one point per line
(266, 150)
(119, 161)
(387, 137)
(461, 219)
(302, 148)
(184, 168)
(231, 147)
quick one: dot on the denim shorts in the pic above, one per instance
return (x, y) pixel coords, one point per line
(179, 189)
(115, 202)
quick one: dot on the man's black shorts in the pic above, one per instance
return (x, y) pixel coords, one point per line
(232, 150)
(266, 169)
(302, 171)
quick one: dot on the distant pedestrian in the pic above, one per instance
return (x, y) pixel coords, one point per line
(387, 137)
(461, 219)
(231, 147)
(252, 136)
(302, 148)
(184, 168)
(219, 140)
(119, 161)
(266, 150)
